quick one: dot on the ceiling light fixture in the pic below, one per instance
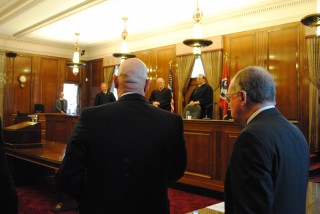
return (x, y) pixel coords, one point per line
(123, 55)
(312, 20)
(197, 42)
(75, 64)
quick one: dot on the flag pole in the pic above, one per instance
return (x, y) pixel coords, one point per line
(170, 85)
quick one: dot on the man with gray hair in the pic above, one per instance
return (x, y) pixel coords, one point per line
(161, 97)
(119, 157)
(269, 166)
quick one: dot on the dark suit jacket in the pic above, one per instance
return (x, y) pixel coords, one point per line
(8, 195)
(163, 97)
(127, 150)
(268, 169)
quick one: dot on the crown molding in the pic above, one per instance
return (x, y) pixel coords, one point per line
(275, 13)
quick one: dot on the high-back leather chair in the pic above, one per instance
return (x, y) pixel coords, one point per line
(195, 111)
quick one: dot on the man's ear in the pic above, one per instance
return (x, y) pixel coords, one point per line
(147, 85)
(115, 81)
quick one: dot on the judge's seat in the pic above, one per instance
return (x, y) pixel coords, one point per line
(195, 111)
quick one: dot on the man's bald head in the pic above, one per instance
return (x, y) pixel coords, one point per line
(132, 77)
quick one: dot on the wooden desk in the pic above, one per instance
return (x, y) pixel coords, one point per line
(34, 165)
(209, 144)
(59, 126)
(55, 126)
(49, 155)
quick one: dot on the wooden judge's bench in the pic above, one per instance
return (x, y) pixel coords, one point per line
(209, 144)
(55, 127)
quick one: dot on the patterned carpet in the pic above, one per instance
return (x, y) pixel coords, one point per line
(314, 170)
(41, 199)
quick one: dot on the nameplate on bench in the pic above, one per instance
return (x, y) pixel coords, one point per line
(25, 134)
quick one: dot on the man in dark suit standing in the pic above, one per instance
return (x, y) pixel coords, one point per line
(119, 157)
(269, 166)
(8, 194)
(104, 96)
(161, 97)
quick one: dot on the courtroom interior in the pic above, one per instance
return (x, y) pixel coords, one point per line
(56, 55)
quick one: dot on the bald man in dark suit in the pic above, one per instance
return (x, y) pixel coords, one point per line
(119, 157)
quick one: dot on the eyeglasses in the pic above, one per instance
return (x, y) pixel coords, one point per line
(228, 96)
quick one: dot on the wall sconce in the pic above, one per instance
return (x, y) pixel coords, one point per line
(197, 42)
(75, 64)
(22, 79)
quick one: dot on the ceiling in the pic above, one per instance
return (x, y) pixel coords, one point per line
(100, 21)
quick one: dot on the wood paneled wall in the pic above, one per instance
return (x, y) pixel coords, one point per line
(95, 78)
(45, 78)
(280, 49)
(158, 62)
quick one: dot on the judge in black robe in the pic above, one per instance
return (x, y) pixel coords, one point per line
(203, 96)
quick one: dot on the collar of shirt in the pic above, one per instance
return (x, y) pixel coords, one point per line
(128, 93)
(61, 99)
(258, 111)
(201, 84)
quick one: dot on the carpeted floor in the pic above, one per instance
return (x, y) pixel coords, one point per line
(40, 199)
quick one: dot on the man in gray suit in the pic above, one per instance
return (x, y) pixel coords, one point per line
(120, 157)
(269, 166)
(61, 104)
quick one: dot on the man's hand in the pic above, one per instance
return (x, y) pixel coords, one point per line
(156, 103)
(193, 103)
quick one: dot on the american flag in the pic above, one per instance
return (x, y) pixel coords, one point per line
(170, 86)
(223, 90)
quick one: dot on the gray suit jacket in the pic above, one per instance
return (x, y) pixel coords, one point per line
(59, 107)
(121, 155)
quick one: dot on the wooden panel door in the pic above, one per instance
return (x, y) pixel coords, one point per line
(50, 82)
(281, 49)
(283, 46)
(21, 93)
(96, 78)
(149, 58)
(165, 55)
(241, 49)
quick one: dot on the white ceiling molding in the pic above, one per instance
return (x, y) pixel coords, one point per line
(261, 16)
(63, 14)
(256, 18)
(14, 7)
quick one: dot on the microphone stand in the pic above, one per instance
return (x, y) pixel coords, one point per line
(207, 118)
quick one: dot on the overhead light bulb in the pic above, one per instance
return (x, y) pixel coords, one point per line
(196, 51)
(124, 47)
(76, 57)
(197, 42)
(123, 55)
(75, 71)
(197, 31)
(75, 64)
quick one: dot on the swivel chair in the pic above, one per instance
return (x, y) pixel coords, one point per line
(195, 111)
